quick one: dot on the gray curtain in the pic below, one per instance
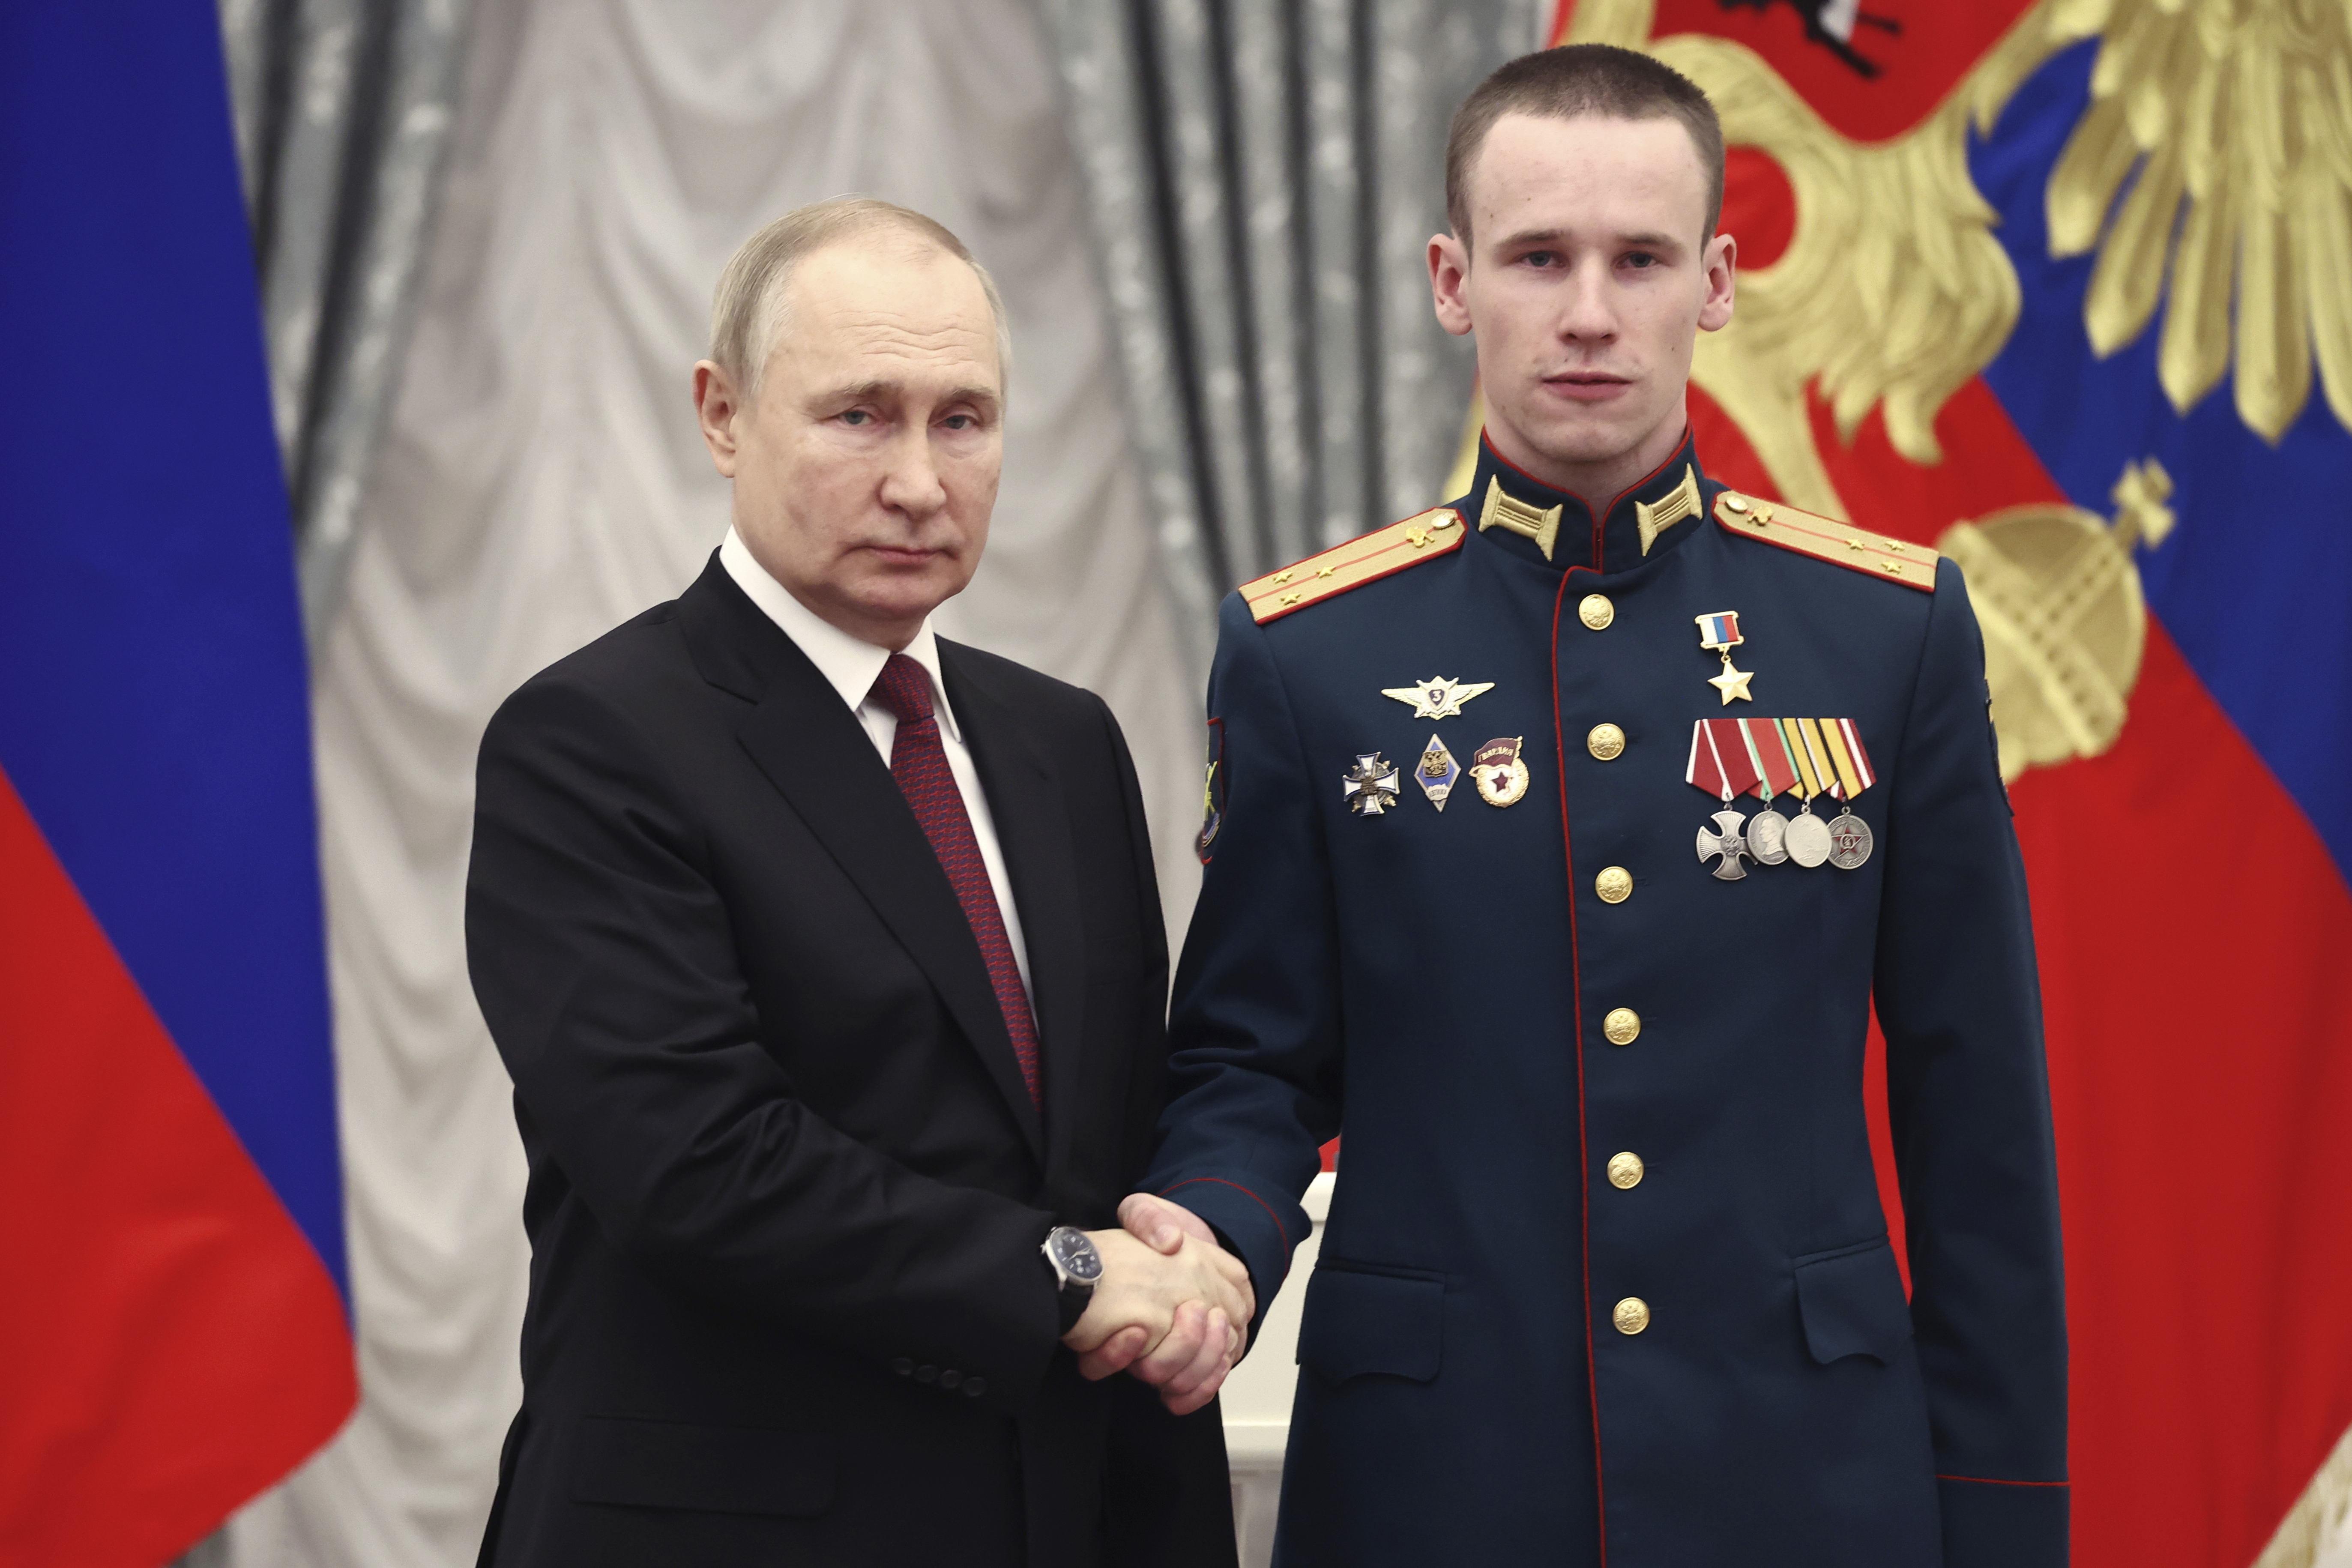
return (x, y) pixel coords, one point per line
(1264, 176)
(342, 107)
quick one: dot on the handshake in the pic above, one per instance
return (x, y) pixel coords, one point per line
(1171, 1307)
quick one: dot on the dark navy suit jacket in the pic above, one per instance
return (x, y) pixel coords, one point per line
(787, 1187)
(1436, 982)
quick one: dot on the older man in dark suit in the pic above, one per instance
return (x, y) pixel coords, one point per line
(826, 958)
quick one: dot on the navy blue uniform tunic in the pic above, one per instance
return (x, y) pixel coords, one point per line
(1437, 984)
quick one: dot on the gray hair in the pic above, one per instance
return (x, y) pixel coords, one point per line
(747, 310)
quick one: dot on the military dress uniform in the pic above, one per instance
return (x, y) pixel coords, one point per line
(1606, 1278)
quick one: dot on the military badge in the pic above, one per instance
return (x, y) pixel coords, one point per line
(1764, 757)
(1436, 772)
(1213, 792)
(1727, 841)
(1719, 633)
(1776, 771)
(1369, 787)
(1830, 759)
(1438, 698)
(1497, 770)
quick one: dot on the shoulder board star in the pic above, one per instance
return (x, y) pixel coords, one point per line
(1365, 559)
(1826, 539)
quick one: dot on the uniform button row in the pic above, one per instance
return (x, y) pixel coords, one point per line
(951, 1379)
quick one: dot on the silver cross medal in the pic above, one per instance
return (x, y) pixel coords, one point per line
(1727, 841)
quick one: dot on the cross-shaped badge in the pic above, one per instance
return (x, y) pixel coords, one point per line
(1727, 841)
(1369, 788)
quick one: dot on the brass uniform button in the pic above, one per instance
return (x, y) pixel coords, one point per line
(1606, 741)
(1596, 612)
(1622, 1026)
(1615, 884)
(1626, 1171)
(1631, 1315)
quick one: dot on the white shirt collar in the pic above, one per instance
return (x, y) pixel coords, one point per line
(851, 665)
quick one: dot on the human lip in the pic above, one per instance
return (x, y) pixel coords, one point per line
(903, 554)
(1587, 386)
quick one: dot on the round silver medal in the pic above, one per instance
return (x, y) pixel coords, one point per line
(1768, 838)
(1808, 840)
(1849, 841)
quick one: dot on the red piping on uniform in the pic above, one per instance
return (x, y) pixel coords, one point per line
(1990, 1481)
(1283, 1229)
(1680, 447)
(1584, 1158)
(1446, 547)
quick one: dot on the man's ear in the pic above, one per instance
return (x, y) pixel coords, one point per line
(716, 404)
(1449, 275)
(1722, 256)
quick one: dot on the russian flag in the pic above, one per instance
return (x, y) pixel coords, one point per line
(175, 1324)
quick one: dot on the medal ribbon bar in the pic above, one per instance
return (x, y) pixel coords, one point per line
(1766, 757)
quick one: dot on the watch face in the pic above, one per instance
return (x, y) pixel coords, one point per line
(1077, 1256)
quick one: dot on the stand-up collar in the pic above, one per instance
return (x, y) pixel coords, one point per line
(1518, 513)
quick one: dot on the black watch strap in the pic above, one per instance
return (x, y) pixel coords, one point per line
(1071, 1302)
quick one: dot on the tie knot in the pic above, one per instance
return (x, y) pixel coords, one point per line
(904, 689)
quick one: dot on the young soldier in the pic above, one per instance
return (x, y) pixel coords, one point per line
(1606, 1277)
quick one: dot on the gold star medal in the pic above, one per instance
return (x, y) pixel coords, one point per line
(1719, 633)
(1438, 697)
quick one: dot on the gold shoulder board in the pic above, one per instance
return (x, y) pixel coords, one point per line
(1364, 558)
(1825, 539)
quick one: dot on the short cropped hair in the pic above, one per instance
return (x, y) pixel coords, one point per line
(747, 310)
(1570, 83)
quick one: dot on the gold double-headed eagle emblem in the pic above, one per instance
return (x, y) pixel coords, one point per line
(2225, 127)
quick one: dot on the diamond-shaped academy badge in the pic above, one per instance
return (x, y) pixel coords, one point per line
(1436, 772)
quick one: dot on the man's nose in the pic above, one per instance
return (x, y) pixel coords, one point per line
(911, 484)
(1588, 313)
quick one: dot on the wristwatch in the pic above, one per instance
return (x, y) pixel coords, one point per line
(1077, 1267)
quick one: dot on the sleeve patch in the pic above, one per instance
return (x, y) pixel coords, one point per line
(1212, 794)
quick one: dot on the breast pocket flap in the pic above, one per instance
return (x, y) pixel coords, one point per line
(1852, 1304)
(1356, 1325)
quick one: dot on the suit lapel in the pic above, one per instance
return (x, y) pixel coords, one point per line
(1025, 800)
(818, 756)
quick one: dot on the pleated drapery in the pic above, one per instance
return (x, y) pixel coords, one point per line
(540, 480)
(343, 110)
(1263, 178)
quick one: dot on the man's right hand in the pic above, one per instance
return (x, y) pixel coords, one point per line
(1175, 1318)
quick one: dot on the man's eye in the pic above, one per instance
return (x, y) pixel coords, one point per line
(1541, 258)
(856, 416)
(1642, 259)
(961, 422)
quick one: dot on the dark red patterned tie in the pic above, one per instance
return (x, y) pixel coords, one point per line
(919, 762)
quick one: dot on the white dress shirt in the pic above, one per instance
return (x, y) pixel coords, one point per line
(852, 666)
